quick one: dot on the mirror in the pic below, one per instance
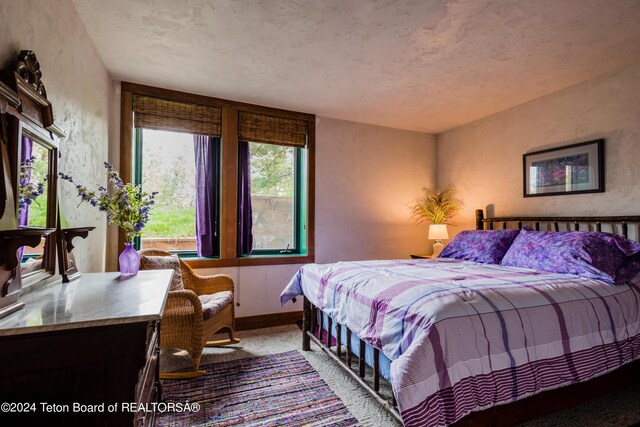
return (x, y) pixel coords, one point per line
(32, 186)
(36, 199)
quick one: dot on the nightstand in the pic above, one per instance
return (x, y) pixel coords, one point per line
(421, 256)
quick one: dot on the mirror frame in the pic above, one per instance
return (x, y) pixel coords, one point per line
(33, 116)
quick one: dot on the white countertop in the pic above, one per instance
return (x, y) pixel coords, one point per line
(94, 299)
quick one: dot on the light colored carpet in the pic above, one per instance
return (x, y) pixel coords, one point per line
(614, 410)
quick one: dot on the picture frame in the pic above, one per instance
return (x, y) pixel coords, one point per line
(571, 169)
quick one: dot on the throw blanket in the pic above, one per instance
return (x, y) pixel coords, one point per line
(464, 336)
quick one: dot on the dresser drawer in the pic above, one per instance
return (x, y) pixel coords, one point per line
(147, 386)
(146, 418)
(153, 333)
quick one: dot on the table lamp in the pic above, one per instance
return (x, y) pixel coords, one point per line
(438, 232)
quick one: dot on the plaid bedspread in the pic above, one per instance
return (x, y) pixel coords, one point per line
(463, 336)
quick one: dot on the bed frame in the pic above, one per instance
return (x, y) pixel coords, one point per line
(502, 415)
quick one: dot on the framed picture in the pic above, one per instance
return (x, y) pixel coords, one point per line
(572, 169)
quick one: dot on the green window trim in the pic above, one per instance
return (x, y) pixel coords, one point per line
(299, 222)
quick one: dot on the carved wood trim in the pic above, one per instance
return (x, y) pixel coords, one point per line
(10, 242)
(8, 98)
(25, 78)
(28, 69)
(9, 102)
(71, 233)
(66, 260)
(57, 131)
(24, 108)
(575, 221)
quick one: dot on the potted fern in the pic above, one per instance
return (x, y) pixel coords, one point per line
(437, 208)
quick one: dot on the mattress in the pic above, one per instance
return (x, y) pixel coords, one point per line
(462, 336)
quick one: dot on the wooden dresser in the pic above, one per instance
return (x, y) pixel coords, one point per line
(84, 353)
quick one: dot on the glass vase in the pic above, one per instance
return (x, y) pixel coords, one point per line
(129, 260)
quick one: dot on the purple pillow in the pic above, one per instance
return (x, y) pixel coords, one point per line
(484, 246)
(590, 254)
(629, 270)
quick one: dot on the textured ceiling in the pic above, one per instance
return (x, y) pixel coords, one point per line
(410, 64)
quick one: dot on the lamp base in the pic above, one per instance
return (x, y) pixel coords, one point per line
(437, 248)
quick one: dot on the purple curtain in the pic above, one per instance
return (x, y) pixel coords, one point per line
(245, 222)
(207, 153)
(26, 148)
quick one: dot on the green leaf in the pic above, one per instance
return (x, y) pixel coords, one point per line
(437, 208)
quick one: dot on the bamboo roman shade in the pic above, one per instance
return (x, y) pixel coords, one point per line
(163, 114)
(257, 127)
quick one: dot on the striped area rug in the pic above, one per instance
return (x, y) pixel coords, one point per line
(274, 390)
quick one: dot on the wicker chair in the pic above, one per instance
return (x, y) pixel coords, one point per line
(184, 324)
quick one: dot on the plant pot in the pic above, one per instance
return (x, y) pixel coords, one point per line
(129, 260)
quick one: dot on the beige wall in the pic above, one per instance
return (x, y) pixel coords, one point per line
(78, 86)
(484, 159)
(366, 177)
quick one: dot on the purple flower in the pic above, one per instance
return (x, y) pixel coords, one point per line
(126, 205)
(65, 177)
(28, 189)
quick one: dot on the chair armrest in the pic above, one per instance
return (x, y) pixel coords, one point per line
(204, 285)
(182, 322)
(181, 304)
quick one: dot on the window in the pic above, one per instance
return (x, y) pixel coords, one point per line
(275, 197)
(165, 162)
(270, 162)
(170, 137)
(258, 210)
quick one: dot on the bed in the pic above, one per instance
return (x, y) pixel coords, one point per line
(468, 342)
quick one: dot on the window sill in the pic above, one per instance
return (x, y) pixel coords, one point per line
(252, 260)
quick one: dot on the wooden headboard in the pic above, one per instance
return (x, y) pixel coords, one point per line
(588, 223)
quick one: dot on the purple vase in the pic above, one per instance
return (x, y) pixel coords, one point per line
(129, 260)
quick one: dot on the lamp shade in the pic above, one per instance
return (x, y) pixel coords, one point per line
(438, 232)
